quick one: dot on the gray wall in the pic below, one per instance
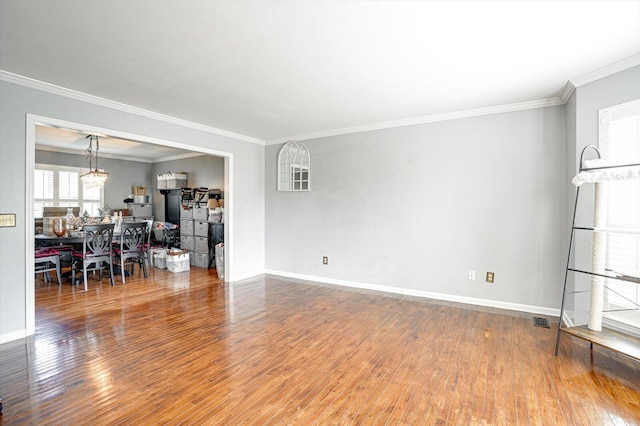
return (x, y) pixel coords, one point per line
(413, 209)
(590, 98)
(205, 171)
(582, 130)
(122, 174)
(613, 90)
(16, 101)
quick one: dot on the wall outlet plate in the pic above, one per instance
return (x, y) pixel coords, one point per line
(490, 276)
(325, 260)
(472, 275)
(7, 220)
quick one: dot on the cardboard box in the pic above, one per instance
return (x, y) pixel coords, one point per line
(139, 190)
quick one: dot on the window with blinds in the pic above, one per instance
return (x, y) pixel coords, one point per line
(620, 144)
(58, 186)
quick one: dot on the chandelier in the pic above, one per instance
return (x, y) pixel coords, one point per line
(94, 178)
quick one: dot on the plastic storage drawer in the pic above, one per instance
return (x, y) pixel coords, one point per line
(186, 226)
(187, 242)
(202, 244)
(201, 260)
(200, 213)
(140, 210)
(201, 228)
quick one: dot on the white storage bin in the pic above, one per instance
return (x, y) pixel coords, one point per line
(171, 180)
(160, 259)
(178, 261)
(219, 256)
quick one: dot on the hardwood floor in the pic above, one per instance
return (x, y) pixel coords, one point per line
(187, 349)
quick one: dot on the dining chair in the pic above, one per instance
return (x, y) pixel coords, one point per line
(130, 247)
(97, 249)
(46, 260)
(149, 248)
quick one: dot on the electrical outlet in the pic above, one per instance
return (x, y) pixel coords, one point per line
(490, 277)
(472, 275)
(325, 260)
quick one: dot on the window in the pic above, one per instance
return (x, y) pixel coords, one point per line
(620, 144)
(294, 167)
(58, 186)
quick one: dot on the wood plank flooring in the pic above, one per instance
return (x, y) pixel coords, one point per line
(187, 349)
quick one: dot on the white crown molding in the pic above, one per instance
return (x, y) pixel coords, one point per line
(499, 109)
(79, 96)
(426, 294)
(606, 71)
(568, 90)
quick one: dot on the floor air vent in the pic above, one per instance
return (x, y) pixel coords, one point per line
(540, 322)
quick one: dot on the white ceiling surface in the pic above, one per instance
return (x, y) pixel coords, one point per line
(75, 142)
(274, 70)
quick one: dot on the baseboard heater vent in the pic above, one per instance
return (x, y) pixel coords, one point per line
(540, 322)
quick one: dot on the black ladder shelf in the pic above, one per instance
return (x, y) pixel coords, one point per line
(619, 342)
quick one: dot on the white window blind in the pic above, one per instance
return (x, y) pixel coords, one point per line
(59, 186)
(620, 144)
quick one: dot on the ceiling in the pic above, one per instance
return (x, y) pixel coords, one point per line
(276, 70)
(51, 138)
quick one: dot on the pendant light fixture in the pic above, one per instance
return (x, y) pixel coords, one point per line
(94, 178)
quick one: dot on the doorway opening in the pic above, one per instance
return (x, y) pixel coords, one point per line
(32, 121)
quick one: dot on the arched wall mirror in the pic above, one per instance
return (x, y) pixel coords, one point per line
(294, 169)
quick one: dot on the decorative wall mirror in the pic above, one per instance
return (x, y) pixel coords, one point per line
(294, 167)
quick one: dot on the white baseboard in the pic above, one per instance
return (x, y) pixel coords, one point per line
(14, 335)
(245, 276)
(430, 295)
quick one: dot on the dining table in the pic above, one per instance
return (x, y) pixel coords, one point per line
(44, 240)
(51, 241)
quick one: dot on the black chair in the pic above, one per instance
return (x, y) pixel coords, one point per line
(97, 250)
(130, 248)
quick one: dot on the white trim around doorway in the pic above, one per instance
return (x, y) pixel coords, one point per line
(30, 146)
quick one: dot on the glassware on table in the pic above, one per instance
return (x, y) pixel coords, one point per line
(69, 218)
(59, 226)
